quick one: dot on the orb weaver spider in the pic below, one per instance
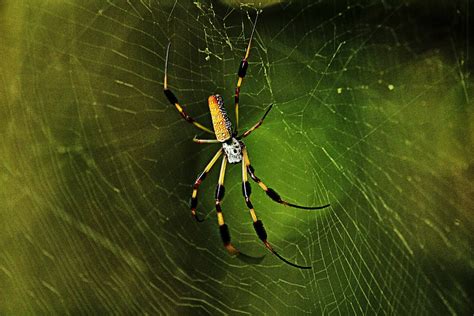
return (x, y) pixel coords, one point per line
(233, 151)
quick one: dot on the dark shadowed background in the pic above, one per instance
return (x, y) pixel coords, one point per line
(373, 113)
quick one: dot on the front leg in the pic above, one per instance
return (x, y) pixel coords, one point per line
(241, 74)
(174, 100)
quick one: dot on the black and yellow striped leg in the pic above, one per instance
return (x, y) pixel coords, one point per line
(258, 224)
(241, 73)
(198, 182)
(257, 125)
(269, 191)
(174, 101)
(223, 228)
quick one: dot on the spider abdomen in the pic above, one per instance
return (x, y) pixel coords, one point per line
(220, 120)
(233, 150)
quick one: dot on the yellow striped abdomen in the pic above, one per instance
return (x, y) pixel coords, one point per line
(220, 120)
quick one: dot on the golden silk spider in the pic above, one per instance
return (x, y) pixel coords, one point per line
(234, 151)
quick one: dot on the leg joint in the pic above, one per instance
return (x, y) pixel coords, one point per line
(273, 195)
(260, 230)
(225, 234)
(200, 178)
(243, 68)
(250, 169)
(246, 189)
(220, 191)
(249, 204)
(193, 203)
(171, 97)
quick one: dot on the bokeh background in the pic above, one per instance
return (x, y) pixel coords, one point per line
(373, 113)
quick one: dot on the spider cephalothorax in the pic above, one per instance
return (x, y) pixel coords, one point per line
(234, 151)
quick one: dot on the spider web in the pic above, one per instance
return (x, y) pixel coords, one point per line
(372, 113)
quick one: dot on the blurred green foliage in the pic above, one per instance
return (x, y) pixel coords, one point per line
(372, 113)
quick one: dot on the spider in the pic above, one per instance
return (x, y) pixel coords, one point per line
(234, 151)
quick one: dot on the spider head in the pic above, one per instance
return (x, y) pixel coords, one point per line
(220, 120)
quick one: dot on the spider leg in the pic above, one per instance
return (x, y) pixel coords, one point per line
(241, 74)
(269, 191)
(198, 182)
(174, 101)
(257, 125)
(258, 224)
(223, 228)
(205, 141)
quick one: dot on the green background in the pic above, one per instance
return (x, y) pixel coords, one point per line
(373, 113)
